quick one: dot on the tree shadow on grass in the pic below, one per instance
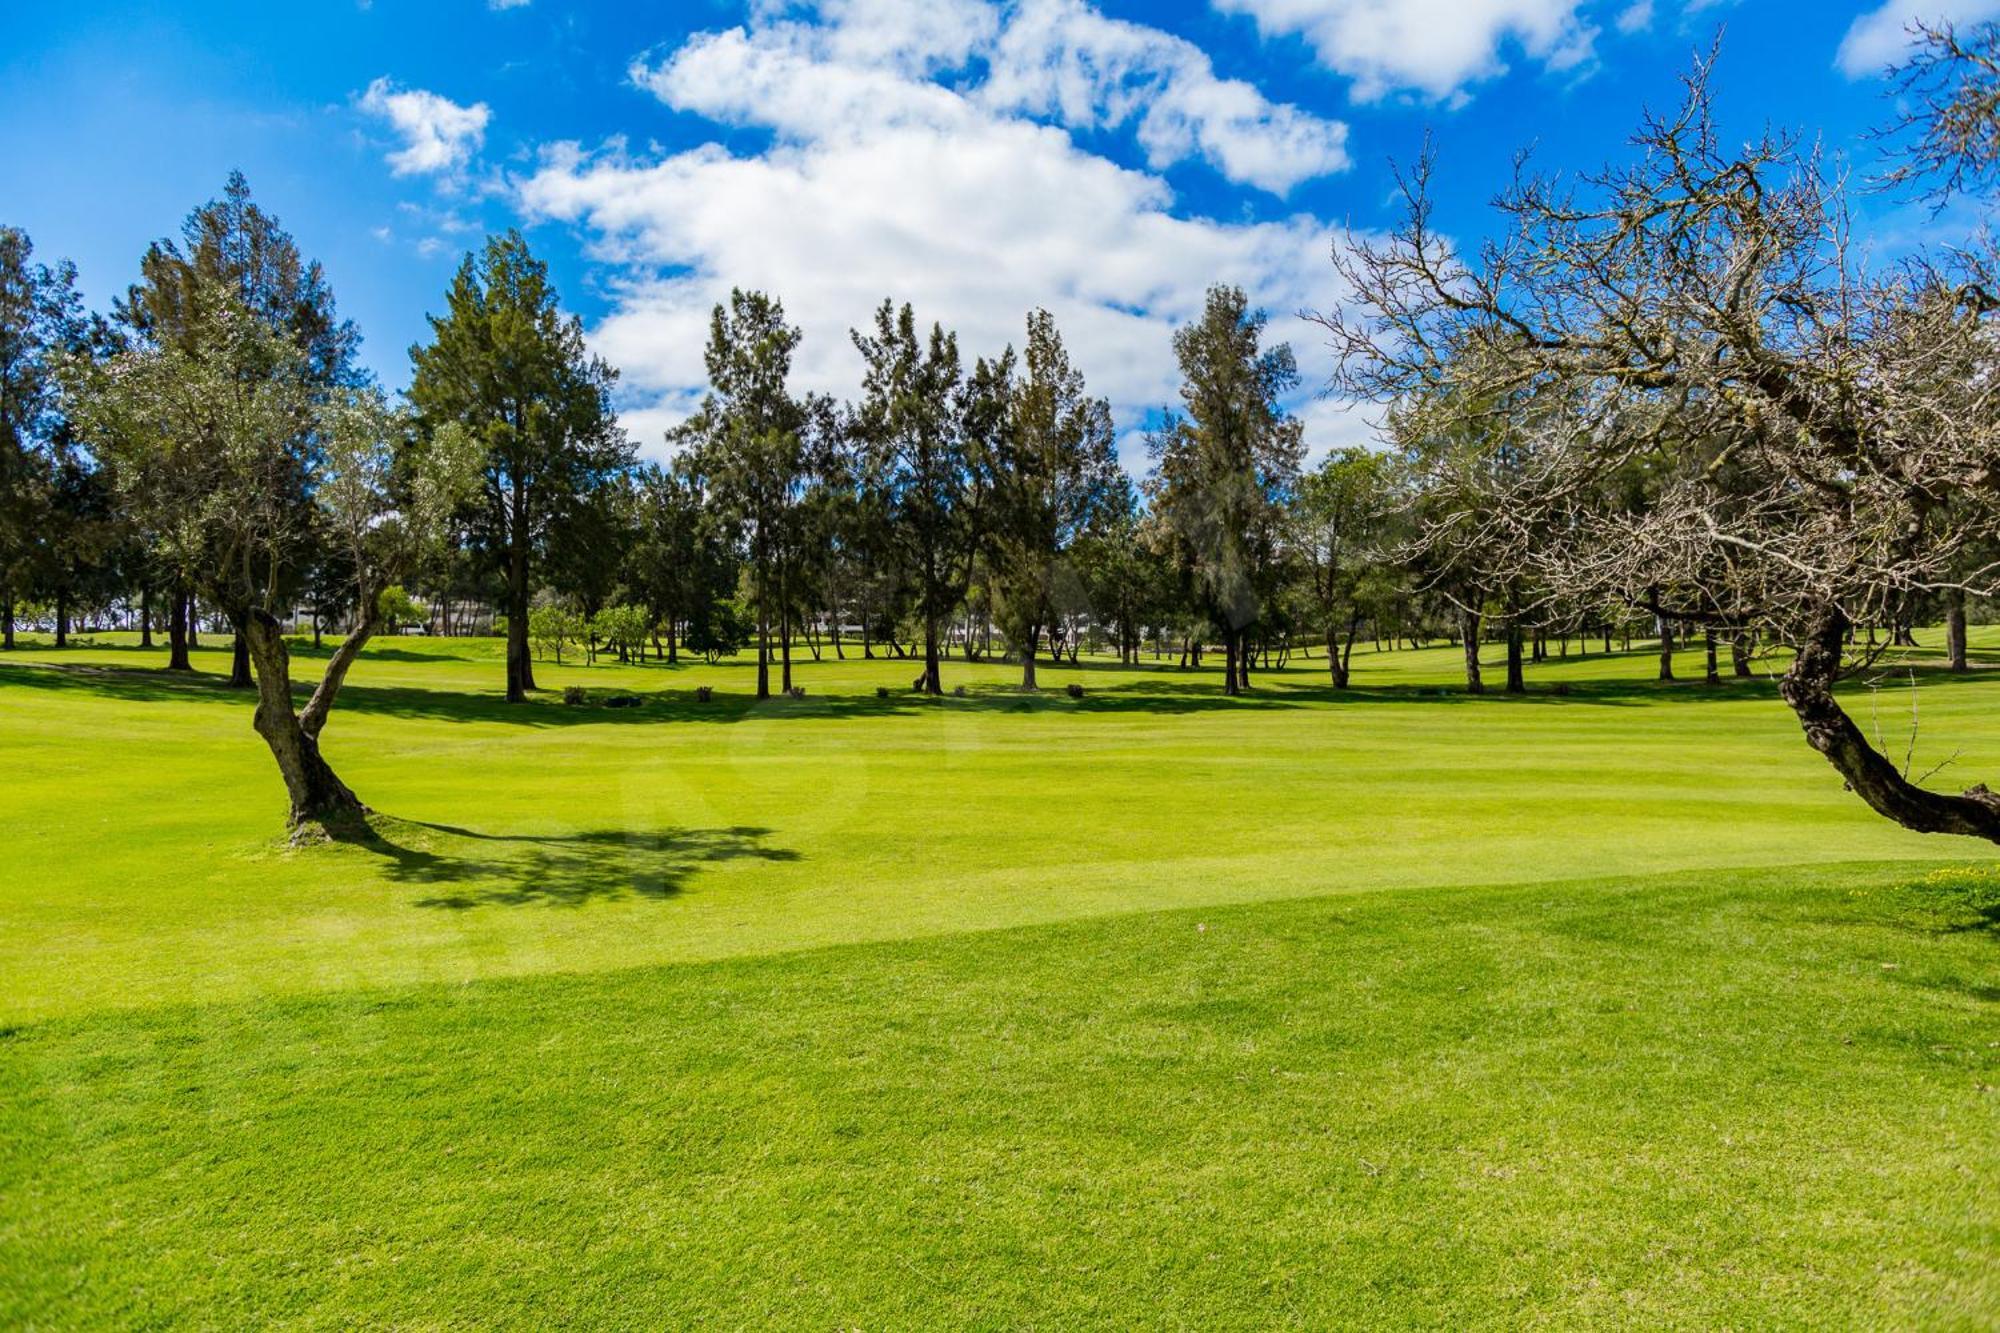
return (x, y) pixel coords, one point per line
(1161, 691)
(473, 869)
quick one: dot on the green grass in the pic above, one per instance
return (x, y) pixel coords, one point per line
(1148, 1008)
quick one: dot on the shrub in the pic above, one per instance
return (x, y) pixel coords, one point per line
(958, 692)
(703, 693)
(797, 691)
(575, 694)
(881, 691)
(1075, 691)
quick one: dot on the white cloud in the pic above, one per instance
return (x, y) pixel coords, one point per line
(923, 154)
(506, 4)
(1435, 47)
(1880, 38)
(869, 63)
(1636, 17)
(437, 133)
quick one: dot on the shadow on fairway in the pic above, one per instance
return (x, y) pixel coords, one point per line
(473, 869)
(1161, 690)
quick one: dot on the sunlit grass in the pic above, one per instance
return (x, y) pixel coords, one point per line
(1150, 1007)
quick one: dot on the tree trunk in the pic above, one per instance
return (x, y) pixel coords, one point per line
(933, 682)
(62, 618)
(520, 672)
(1954, 628)
(1517, 681)
(1714, 670)
(1334, 667)
(1469, 633)
(318, 798)
(785, 643)
(239, 663)
(1739, 653)
(1666, 649)
(7, 622)
(763, 648)
(177, 633)
(145, 617)
(1808, 688)
(1031, 640)
(1229, 650)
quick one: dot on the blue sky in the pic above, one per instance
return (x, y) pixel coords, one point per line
(1105, 158)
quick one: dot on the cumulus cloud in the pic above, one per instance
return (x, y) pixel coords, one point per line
(1434, 47)
(867, 63)
(1880, 37)
(972, 202)
(437, 133)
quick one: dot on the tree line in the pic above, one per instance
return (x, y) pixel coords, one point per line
(1669, 397)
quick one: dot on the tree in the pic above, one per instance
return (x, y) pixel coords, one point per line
(509, 368)
(51, 509)
(242, 464)
(912, 421)
(1054, 475)
(553, 626)
(1809, 423)
(1223, 470)
(1341, 518)
(752, 435)
(680, 563)
(1947, 135)
(232, 243)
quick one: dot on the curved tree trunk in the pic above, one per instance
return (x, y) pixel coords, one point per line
(1808, 688)
(318, 798)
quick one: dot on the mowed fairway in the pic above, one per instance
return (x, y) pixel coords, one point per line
(1151, 1008)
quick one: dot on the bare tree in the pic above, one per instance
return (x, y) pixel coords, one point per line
(1699, 317)
(1946, 135)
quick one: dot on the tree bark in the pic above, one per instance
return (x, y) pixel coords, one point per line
(317, 796)
(1666, 649)
(1807, 687)
(7, 622)
(145, 617)
(520, 671)
(1517, 681)
(933, 682)
(1469, 633)
(1954, 629)
(1739, 653)
(239, 663)
(1229, 650)
(1714, 672)
(62, 618)
(177, 633)
(1030, 641)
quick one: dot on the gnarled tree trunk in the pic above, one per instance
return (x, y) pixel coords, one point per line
(1808, 688)
(319, 799)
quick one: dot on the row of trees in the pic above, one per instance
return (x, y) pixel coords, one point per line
(1668, 392)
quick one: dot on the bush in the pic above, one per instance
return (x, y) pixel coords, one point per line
(958, 692)
(575, 694)
(1075, 691)
(881, 691)
(797, 691)
(703, 693)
